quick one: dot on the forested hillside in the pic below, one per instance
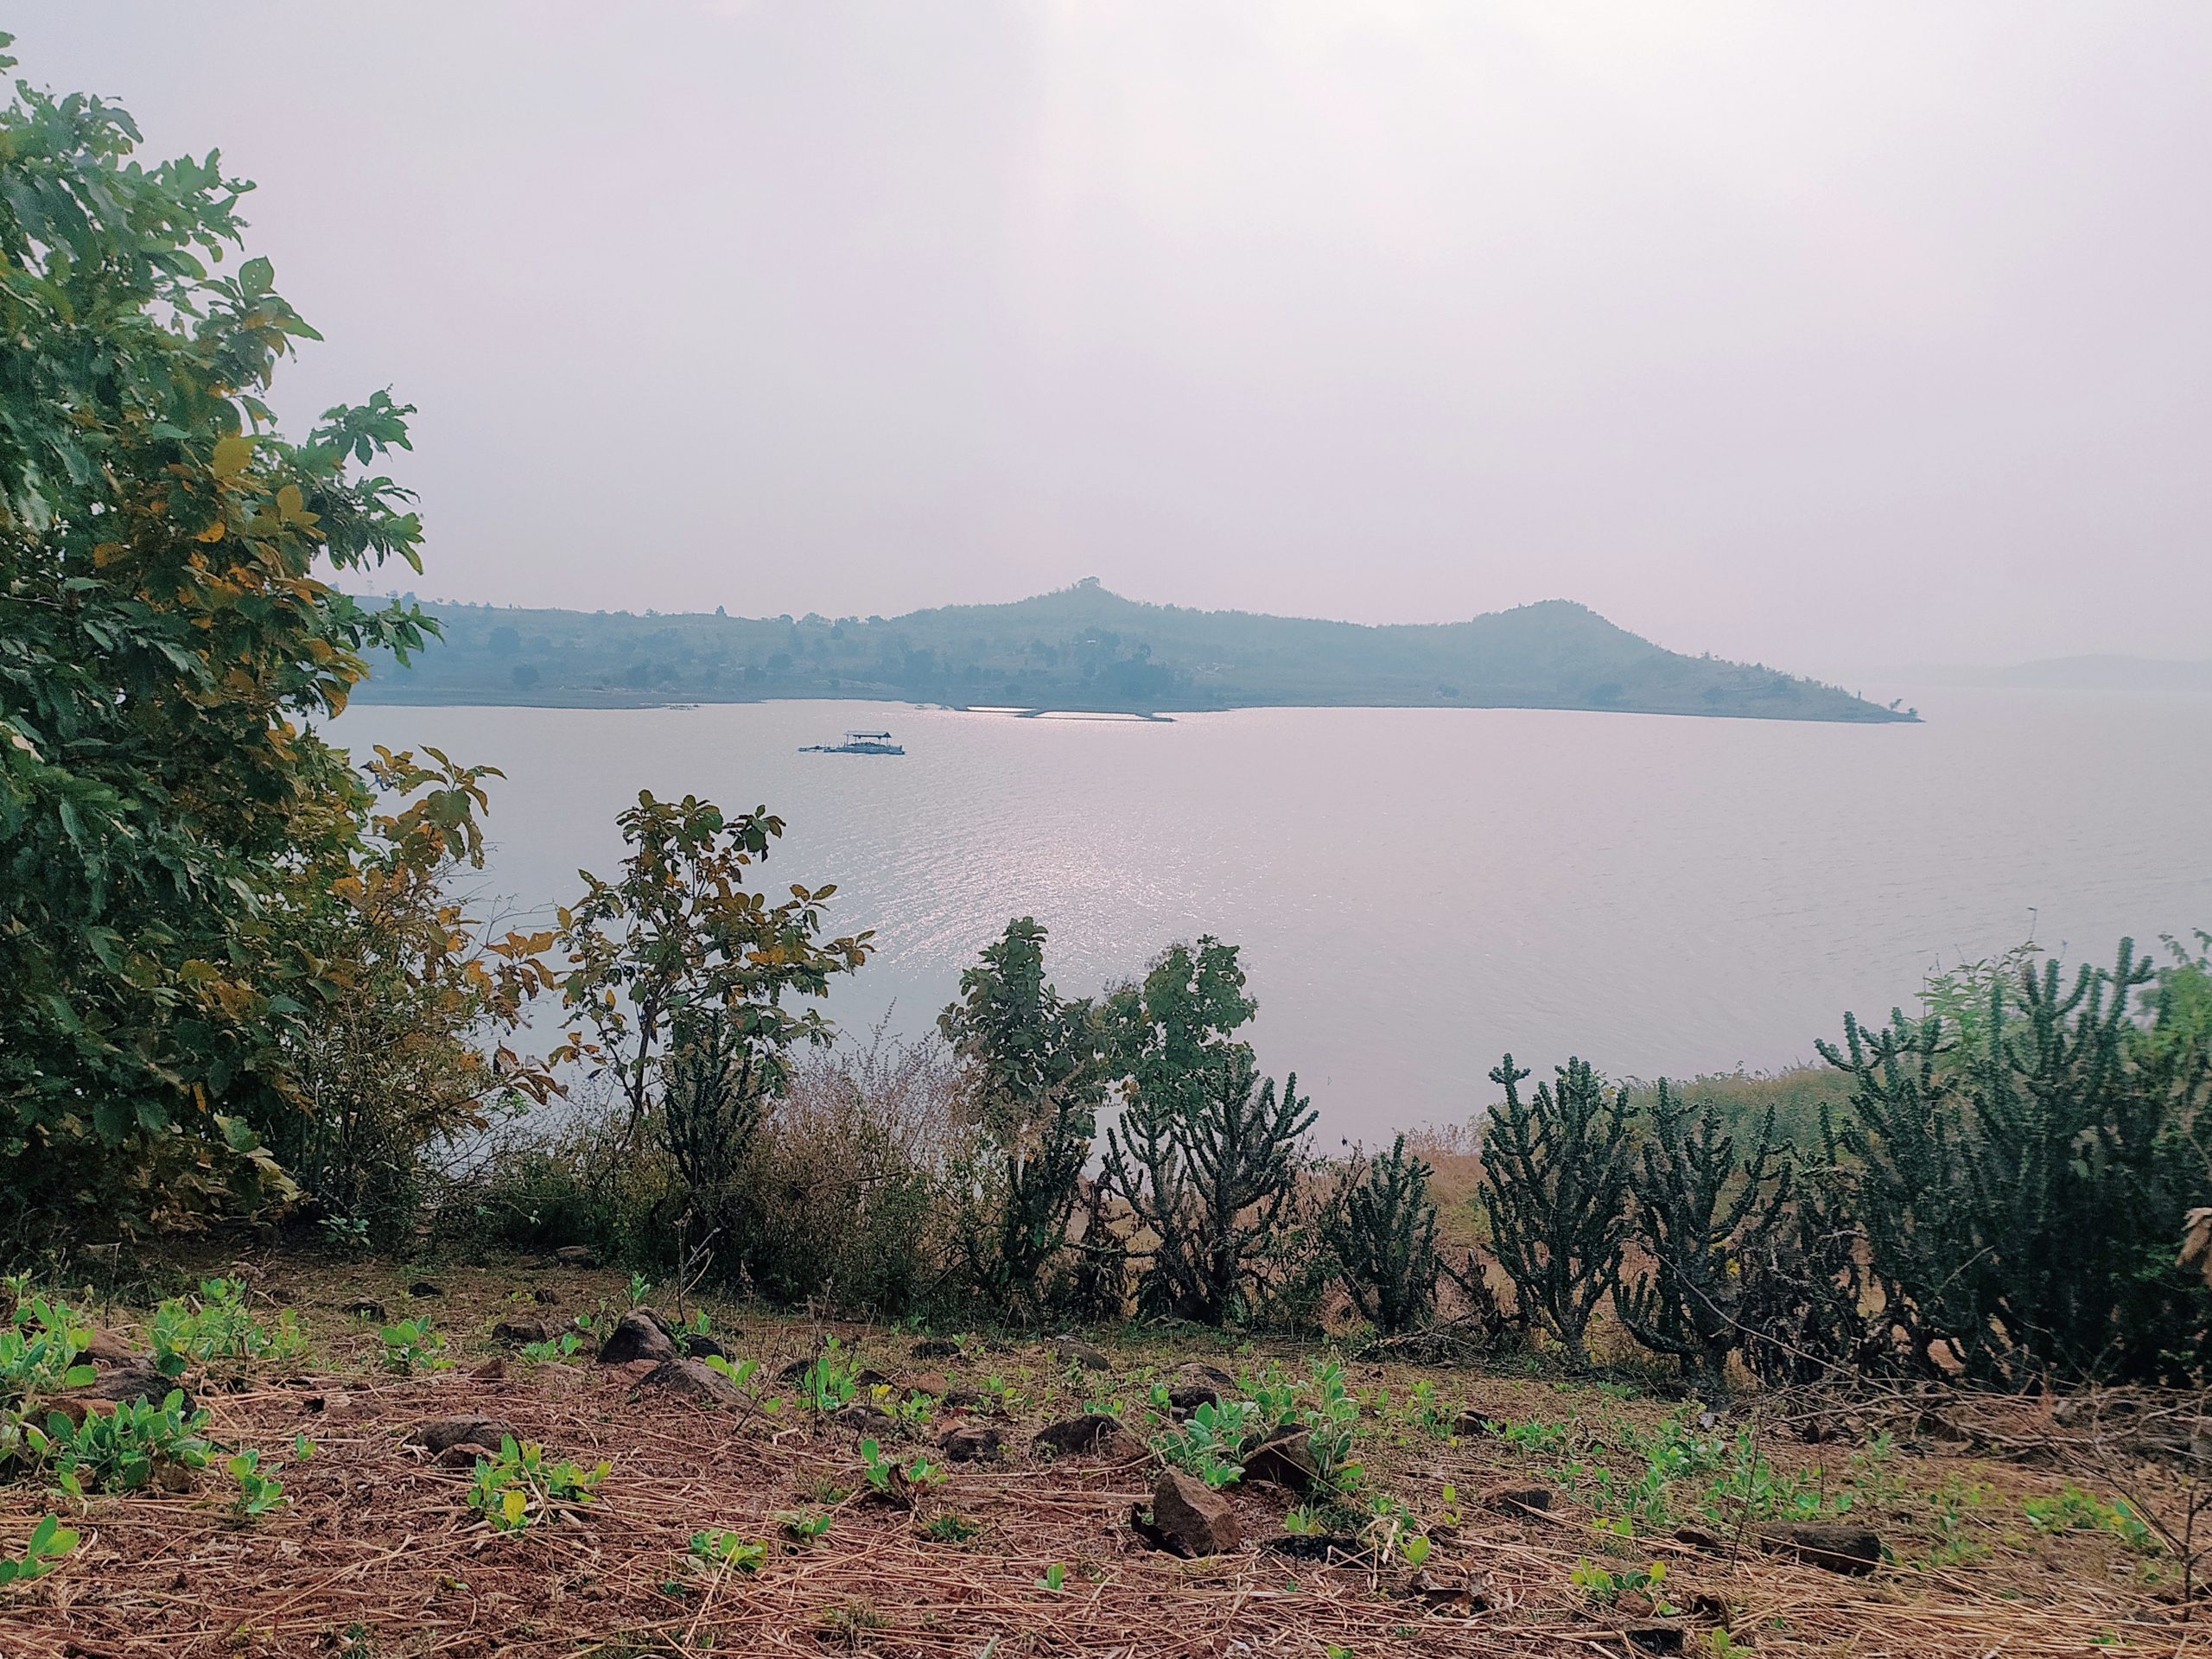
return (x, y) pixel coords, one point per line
(1084, 647)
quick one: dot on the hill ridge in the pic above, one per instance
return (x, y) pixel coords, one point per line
(1085, 647)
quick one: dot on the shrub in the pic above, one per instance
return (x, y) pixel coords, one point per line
(2021, 1196)
(1555, 1189)
(1032, 1085)
(1208, 1174)
(1381, 1226)
(1700, 1211)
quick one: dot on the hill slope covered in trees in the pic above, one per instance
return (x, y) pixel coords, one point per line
(1086, 648)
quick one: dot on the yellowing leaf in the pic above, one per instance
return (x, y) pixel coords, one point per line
(512, 1504)
(231, 456)
(214, 532)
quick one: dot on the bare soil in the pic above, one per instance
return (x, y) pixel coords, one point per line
(377, 1553)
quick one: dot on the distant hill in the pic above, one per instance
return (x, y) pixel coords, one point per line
(1085, 648)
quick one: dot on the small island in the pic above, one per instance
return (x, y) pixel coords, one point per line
(1084, 648)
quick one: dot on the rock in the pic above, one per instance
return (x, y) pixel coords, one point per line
(113, 1388)
(366, 1308)
(544, 1297)
(638, 1334)
(933, 1384)
(868, 1421)
(425, 1287)
(107, 1349)
(1189, 1518)
(972, 1443)
(864, 1379)
(1198, 1384)
(439, 1432)
(695, 1380)
(1515, 1500)
(1657, 1637)
(1285, 1458)
(516, 1333)
(1442, 1594)
(1472, 1426)
(493, 1369)
(637, 1370)
(937, 1348)
(1074, 1350)
(461, 1454)
(1698, 1538)
(698, 1345)
(576, 1255)
(1855, 1551)
(1077, 1437)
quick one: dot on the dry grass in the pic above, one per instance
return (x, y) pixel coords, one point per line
(379, 1554)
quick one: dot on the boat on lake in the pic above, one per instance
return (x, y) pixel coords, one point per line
(857, 743)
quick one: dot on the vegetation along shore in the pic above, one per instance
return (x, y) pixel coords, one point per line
(339, 1323)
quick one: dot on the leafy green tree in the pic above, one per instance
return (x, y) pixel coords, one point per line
(1382, 1229)
(166, 640)
(685, 978)
(1030, 1063)
(1701, 1211)
(1555, 1188)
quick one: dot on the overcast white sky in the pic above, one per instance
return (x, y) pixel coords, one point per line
(1828, 335)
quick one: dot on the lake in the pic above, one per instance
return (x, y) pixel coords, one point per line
(1419, 890)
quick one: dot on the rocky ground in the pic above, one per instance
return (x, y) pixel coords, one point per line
(963, 1495)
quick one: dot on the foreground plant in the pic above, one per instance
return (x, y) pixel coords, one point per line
(522, 1485)
(217, 1324)
(730, 1550)
(410, 1345)
(49, 1542)
(122, 1450)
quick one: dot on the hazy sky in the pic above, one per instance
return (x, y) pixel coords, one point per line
(1830, 335)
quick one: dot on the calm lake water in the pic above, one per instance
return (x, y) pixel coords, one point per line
(1417, 890)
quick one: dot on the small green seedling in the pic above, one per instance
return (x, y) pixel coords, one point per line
(410, 1345)
(1055, 1576)
(728, 1550)
(949, 1527)
(48, 1543)
(259, 1491)
(522, 1484)
(804, 1528)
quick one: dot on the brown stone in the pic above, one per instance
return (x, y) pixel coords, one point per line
(1854, 1551)
(493, 1369)
(937, 1348)
(1657, 1637)
(576, 1255)
(107, 1349)
(367, 1307)
(695, 1380)
(1190, 1518)
(425, 1287)
(1472, 1426)
(638, 1334)
(1078, 1436)
(933, 1384)
(441, 1432)
(1285, 1459)
(870, 1422)
(1074, 1350)
(1199, 1384)
(134, 1383)
(972, 1443)
(1515, 1500)
(516, 1333)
